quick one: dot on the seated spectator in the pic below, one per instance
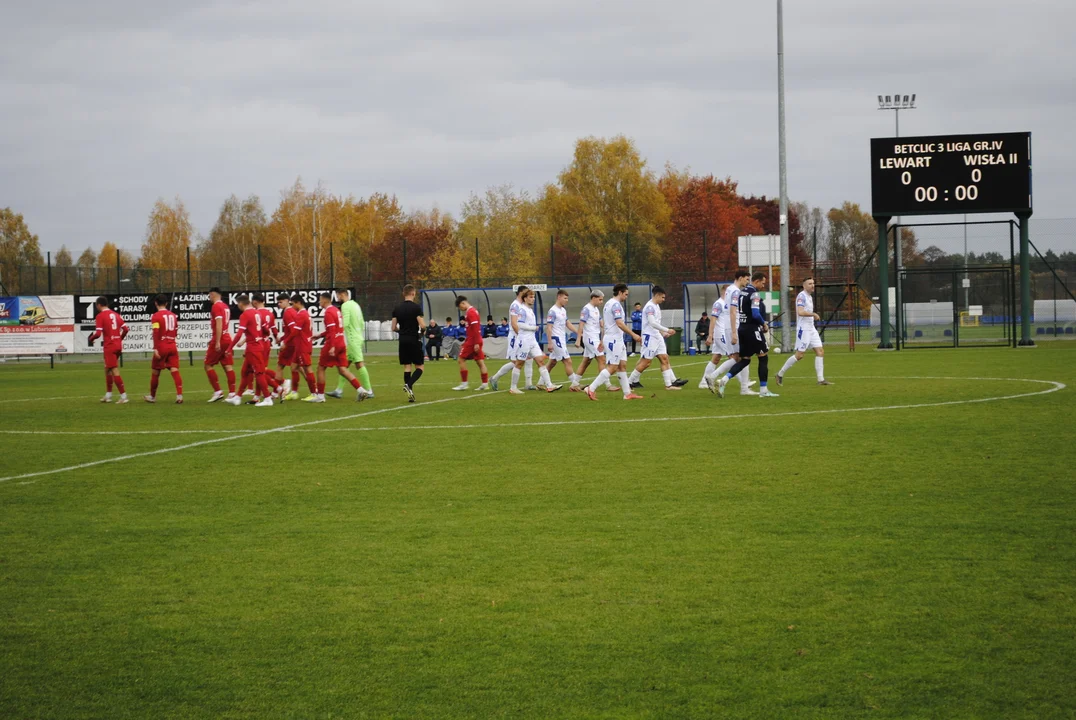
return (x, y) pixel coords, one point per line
(702, 330)
(461, 330)
(491, 327)
(449, 330)
(433, 340)
(503, 329)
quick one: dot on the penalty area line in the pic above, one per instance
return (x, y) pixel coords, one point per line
(242, 436)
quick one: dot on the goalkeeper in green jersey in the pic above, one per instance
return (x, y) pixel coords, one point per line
(355, 336)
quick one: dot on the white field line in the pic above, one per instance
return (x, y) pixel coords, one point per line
(301, 427)
(240, 436)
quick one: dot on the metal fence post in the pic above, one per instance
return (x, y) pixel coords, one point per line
(477, 272)
(405, 260)
(552, 262)
(704, 256)
(118, 278)
(627, 257)
(259, 267)
(48, 265)
(332, 267)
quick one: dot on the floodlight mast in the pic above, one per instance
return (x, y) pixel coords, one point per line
(896, 103)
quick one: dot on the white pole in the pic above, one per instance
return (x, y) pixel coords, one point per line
(786, 336)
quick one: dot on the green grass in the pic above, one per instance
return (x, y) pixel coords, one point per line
(915, 562)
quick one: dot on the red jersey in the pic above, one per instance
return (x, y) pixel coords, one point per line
(268, 321)
(220, 310)
(474, 327)
(288, 321)
(304, 334)
(251, 327)
(334, 333)
(111, 328)
(165, 328)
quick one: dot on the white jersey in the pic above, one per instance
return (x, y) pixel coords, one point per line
(652, 319)
(717, 312)
(732, 300)
(805, 301)
(525, 316)
(514, 309)
(590, 317)
(613, 311)
(558, 318)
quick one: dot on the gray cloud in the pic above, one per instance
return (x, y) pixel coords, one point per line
(107, 106)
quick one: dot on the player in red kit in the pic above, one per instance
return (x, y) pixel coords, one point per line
(303, 336)
(472, 345)
(111, 329)
(165, 354)
(255, 335)
(334, 351)
(271, 333)
(285, 357)
(219, 351)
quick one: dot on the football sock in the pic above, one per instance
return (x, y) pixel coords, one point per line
(574, 377)
(624, 384)
(635, 376)
(415, 376)
(364, 377)
(154, 380)
(745, 376)
(355, 383)
(119, 384)
(515, 378)
(485, 378)
(311, 380)
(321, 388)
(407, 378)
(669, 376)
(230, 375)
(262, 385)
(108, 382)
(543, 376)
(288, 385)
(463, 375)
(602, 379)
(528, 371)
(737, 367)
(788, 365)
(818, 368)
(179, 382)
(295, 379)
(763, 370)
(340, 382)
(213, 379)
(724, 367)
(505, 369)
(710, 370)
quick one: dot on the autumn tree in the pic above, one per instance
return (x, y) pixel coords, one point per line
(289, 238)
(18, 246)
(853, 235)
(106, 259)
(507, 226)
(232, 245)
(88, 259)
(704, 205)
(604, 195)
(768, 214)
(169, 233)
(62, 258)
(425, 234)
(815, 229)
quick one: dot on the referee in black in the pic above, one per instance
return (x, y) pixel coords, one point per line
(408, 322)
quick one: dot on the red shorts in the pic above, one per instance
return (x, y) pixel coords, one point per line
(472, 352)
(224, 357)
(337, 359)
(112, 357)
(254, 361)
(169, 359)
(286, 356)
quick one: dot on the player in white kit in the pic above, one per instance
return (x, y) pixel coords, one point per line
(616, 352)
(730, 319)
(806, 335)
(510, 354)
(654, 334)
(716, 338)
(526, 324)
(557, 327)
(590, 339)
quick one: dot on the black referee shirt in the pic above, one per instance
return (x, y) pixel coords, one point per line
(407, 314)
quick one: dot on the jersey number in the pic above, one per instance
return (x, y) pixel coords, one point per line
(113, 319)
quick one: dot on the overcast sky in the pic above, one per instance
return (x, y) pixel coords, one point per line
(106, 106)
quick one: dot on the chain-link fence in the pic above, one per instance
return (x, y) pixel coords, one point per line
(43, 280)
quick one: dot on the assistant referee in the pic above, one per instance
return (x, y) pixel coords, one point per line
(407, 320)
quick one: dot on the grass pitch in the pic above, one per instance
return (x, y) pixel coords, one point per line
(547, 556)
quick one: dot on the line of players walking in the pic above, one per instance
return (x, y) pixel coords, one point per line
(738, 332)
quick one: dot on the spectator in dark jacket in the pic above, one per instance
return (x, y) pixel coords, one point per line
(636, 327)
(449, 330)
(491, 327)
(503, 329)
(433, 340)
(702, 330)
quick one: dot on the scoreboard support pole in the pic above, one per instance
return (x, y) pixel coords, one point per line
(1025, 280)
(883, 280)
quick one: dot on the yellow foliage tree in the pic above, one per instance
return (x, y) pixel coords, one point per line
(232, 245)
(509, 230)
(168, 235)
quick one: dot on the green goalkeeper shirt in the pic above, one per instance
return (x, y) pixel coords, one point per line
(354, 324)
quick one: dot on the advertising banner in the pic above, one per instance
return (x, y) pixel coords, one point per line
(37, 325)
(192, 311)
